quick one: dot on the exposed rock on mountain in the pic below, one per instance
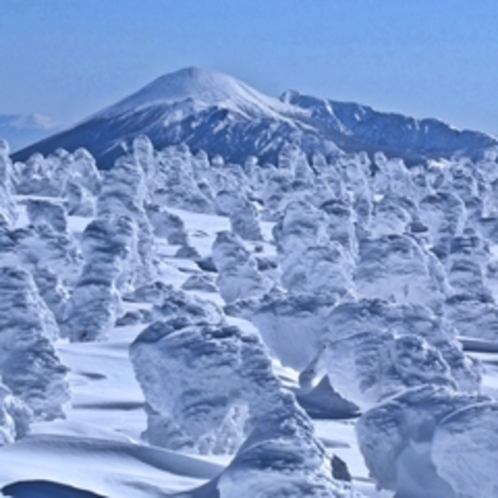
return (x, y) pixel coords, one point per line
(222, 115)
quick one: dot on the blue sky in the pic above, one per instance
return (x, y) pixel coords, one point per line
(437, 58)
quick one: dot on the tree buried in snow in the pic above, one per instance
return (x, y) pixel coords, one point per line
(211, 389)
(7, 205)
(282, 459)
(42, 212)
(15, 417)
(109, 248)
(292, 326)
(124, 192)
(238, 275)
(368, 367)
(373, 349)
(431, 442)
(465, 450)
(243, 215)
(29, 365)
(212, 407)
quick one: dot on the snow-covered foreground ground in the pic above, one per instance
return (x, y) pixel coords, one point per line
(97, 447)
(181, 327)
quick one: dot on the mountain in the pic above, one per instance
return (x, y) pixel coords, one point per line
(21, 130)
(222, 115)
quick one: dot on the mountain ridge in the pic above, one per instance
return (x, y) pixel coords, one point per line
(222, 115)
(22, 129)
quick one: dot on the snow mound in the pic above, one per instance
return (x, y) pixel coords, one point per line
(45, 489)
(118, 468)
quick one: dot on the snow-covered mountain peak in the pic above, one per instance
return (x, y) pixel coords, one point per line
(223, 116)
(204, 88)
(33, 121)
(22, 129)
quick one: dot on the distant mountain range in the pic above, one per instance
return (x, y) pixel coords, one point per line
(222, 115)
(20, 130)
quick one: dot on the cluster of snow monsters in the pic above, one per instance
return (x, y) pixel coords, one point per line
(371, 272)
(33, 382)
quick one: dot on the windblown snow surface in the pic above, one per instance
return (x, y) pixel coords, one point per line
(185, 326)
